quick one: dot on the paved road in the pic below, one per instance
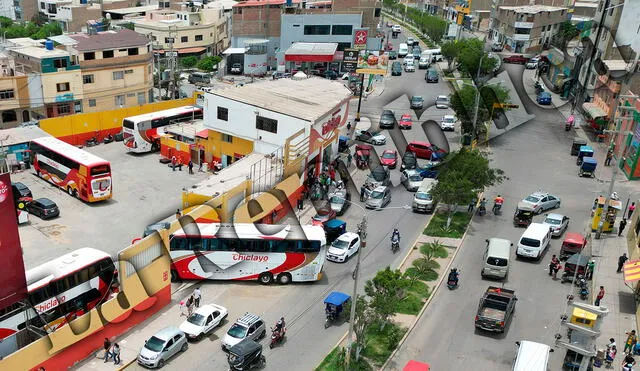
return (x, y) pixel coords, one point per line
(534, 156)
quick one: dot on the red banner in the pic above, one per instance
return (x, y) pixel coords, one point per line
(12, 274)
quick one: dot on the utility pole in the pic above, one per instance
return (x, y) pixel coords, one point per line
(362, 231)
(477, 102)
(357, 119)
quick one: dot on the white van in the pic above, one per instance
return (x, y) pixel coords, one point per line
(403, 50)
(531, 356)
(495, 261)
(435, 54)
(534, 241)
(423, 200)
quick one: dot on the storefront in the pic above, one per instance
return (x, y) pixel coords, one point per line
(312, 58)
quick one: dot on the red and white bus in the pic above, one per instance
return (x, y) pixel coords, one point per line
(142, 133)
(78, 172)
(248, 252)
(61, 290)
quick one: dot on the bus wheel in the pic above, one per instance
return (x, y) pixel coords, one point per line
(174, 276)
(154, 147)
(70, 191)
(284, 278)
(265, 278)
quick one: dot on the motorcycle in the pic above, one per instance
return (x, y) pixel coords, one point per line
(482, 210)
(569, 123)
(395, 245)
(497, 209)
(107, 139)
(539, 88)
(452, 281)
(277, 336)
(584, 291)
(91, 142)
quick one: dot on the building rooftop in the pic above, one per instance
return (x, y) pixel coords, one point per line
(123, 38)
(227, 178)
(312, 49)
(533, 9)
(21, 135)
(133, 10)
(188, 129)
(306, 99)
(263, 2)
(617, 64)
(582, 4)
(39, 52)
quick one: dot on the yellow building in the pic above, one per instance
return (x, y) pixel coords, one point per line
(14, 94)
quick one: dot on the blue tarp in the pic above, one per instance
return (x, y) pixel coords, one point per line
(586, 149)
(334, 223)
(343, 138)
(337, 298)
(589, 164)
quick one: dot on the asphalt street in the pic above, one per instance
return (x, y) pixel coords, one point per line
(535, 156)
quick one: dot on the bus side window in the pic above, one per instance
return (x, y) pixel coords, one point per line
(214, 244)
(196, 244)
(260, 246)
(179, 244)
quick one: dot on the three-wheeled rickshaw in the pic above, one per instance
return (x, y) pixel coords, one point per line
(573, 244)
(575, 146)
(246, 355)
(334, 305)
(585, 151)
(523, 215)
(363, 155)
(343, 144)
(334, 228)
(588, 167)
(575, 261)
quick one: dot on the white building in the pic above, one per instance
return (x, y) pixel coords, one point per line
(270, 112)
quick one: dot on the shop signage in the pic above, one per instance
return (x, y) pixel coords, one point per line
(350, 60)
(360, 39)
(332, 123)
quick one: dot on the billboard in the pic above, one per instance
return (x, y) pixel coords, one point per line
(12, 276)
(360, 39)
(372, 63)
(350, 60)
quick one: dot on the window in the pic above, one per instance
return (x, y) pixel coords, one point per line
(7, 94)
(168, 40)
(223, 114)
(346, 29)
(316, 29)
(544, 28)
(128, 72)
(77, 106)
(89, 56)
(60, 63)
(107, 54)
(64, 109)
(92, 102)
(63, 86)
(132, 51)
(198, 37)
(184, 39)
(141, 98)
(43, 6)
(227, 138)
(376, 12)
(87, 79)
(267, 124)
(118, 75)
(119, 100)
(343, 46)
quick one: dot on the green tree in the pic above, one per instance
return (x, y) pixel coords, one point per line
(463, 102)
(464, 174)
(363, 319)
(385, 289)
(208, 63)
(567, 32)
(450, 50)
(5, 22)
(49, 29)
(189, 61)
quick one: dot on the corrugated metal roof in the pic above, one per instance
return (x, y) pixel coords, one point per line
(13, 136)
(109, 40)
(306, 99)
(312, 49)
(187, 129)
(533, 9)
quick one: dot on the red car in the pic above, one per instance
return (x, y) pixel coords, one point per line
(405, 121)
(426, 150)
(518, 59)
(324, 214)
(389, 158)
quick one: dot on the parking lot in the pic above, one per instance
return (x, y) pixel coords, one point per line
(144, 191)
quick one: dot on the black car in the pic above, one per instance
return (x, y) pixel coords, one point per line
(20, 190)
(396, 69)
(416, 52)
(409, 161)
(417, 102)
(388, 119)
(431, 75)
(393, 55)
(44, 208)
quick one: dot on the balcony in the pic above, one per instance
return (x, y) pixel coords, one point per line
(117, 62)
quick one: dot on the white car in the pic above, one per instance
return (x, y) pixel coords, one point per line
(396, 28)
(533, 63)
(442, 101)
(344, 247)
(409, 59)
(541, 201)
(410, 67)
(557, 223)
(448, 123)
(201, 322)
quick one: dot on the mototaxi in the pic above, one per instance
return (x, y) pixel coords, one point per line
(334, 305)
(523, 215)
(575, 262)
(363, 155)
(585, 151)
(588, 167)
(573, 244)
(246, 355)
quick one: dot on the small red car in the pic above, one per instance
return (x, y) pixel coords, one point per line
(389, 158)
(517, 59)
(426, 150)
(324, 214)
(405, 121)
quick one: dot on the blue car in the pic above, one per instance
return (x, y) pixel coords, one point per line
(544, 98)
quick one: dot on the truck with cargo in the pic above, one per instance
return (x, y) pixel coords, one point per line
(495, 309)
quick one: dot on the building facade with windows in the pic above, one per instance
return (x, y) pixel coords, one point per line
(527, 29)
(14, 94)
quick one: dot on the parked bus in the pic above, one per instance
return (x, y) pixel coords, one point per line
(142, 133)
(247, 252)
(76, 171)
(60, 290)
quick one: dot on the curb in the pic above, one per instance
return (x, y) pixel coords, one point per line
(126, 364)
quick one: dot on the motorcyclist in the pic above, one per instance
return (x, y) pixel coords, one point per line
(570, 120)
(331, 310)
(497, 203)
(279, 329)
(396, 235)
(454, 276)
(483, 205)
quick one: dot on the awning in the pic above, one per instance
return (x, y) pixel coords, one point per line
(594, 110)
(631, 271)
(234, 51)
(311, 52)
(191, 50)
(203, 133)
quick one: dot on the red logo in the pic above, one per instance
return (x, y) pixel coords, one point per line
(4, 191)
(331, 124)
(165, 275)
(360, 37)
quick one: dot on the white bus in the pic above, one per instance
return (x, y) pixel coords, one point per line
(142, 133)
(60, 290)
(262, 252)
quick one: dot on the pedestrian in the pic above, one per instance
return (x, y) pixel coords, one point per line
(632, 208)
(332, 173)
(553, 265)
(599, 296)
(196, 297)
(636, 349)
(348, 127)
(610, 356)
(178, 214)
(362, 193)
(349, 158)
(472, 205)
(173, 162)
(189, 305)
(116, 354)
(632, 339)
(621, 260)
(607, 161)
(621, 226)
(107, 346)
(591, 266)
(180, 164)
(301, 203)
(183, 308)
(200, 166)
(190, 167)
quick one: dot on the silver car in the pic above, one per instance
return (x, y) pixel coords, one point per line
(379, 198)
(442, 101)
(541, 201)
(411, 180)
(162, 346)
(557, 223)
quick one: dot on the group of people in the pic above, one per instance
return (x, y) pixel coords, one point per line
(111, 350)
(192, 301)
(482, 207)
(319, 186)
(631, 347)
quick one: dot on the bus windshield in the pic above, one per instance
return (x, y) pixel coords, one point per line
(101, 169)
(127, 124)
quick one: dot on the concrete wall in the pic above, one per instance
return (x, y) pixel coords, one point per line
(293, 28)
(256, 21)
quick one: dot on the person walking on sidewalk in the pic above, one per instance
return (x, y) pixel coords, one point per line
(173, 163)
(632, 208)
(472, 205)
(632, 339)
(190, 167)
(621, 226)
(183, 308)
(107, 346)
(189, 305)
(621, 260)
(607, 161)
(349, 158)
(599, 297)
(116, 354)
(197, 295)
(301, 203)
(553, 264)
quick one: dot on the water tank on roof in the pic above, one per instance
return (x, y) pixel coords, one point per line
(289, 2)
(83, 1)
(48, 44)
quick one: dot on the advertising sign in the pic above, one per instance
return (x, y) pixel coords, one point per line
(350, 60)
(360, 39)
(372, 64)
(12, 275)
